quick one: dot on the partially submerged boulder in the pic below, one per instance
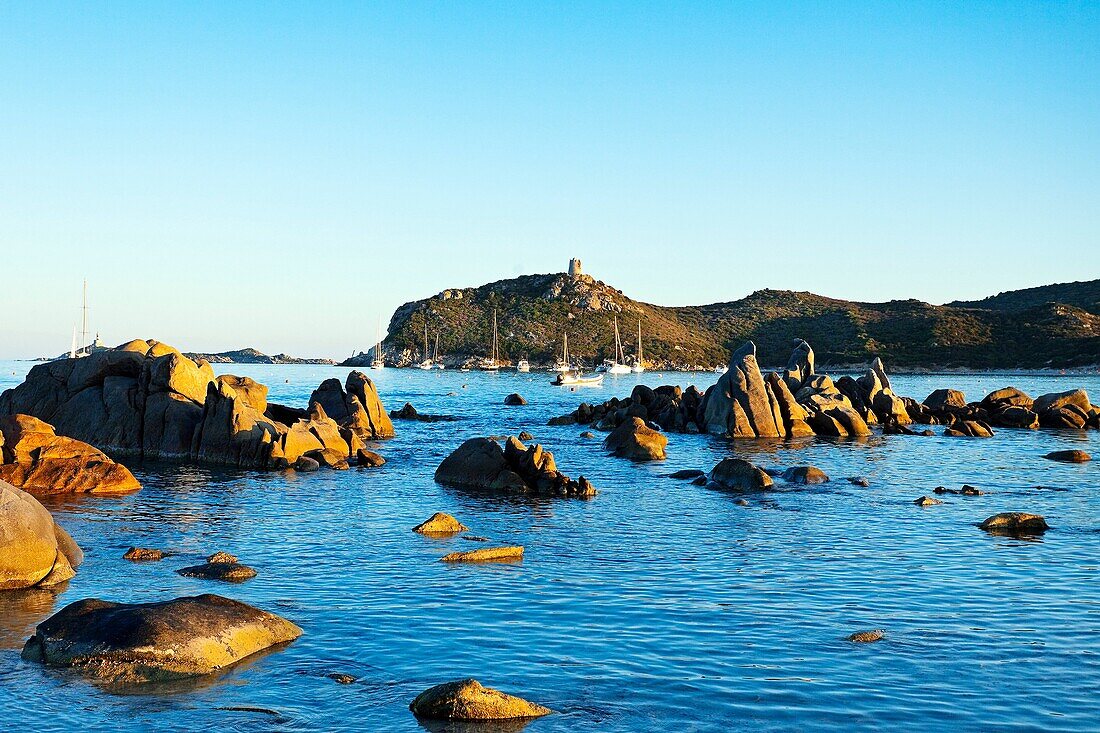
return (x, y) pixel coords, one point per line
(34, 550)
(637, 441)
(739, 474)
(440, 523)
(805, 475)
(220, 566)
(143, 554)
(515, 400)
(469, 700)
(480, 463)
(34, 458)
(1015, 524)
(1068, 456)
(167, 640)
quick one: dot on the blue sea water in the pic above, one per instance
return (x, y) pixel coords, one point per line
(656, 605)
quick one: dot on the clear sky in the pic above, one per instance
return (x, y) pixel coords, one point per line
(279, 175)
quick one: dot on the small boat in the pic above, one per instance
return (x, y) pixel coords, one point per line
(378, 362)
(426, 363)
(639, 365)
(491, 363)
(618, 364)
(523, 366)
(576, 379)
(562, 364)
(721, 369)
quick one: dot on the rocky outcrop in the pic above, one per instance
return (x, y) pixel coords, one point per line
(34, 550)
(34, 458)
(469, 700)
(636, 441)
(740, 475)
(480, 463)
(408, 412)
(140, 642)
(1070, 409)
(741, 405)
(1068, 456)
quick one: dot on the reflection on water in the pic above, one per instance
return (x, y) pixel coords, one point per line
(656, 605)
(21, 610)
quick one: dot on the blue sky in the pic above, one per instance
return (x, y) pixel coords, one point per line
(277, 176)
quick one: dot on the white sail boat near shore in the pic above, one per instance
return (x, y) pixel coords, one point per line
(437, 363)
(427, 362)
(618, 364)
(639, 365)
(492, 363)
(563, 364)
(378, 362)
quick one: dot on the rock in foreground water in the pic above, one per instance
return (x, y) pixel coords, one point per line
(140, 642)
(1068, 456)
(1015, 523)
(866, 637)
(480, 463)
(486, 554)
(805, 475)
(636, 441)
(440, 523)
(220, 566)
(143, 554)
(38, 460)
(736, 473)
(34, 550)
(469, 700)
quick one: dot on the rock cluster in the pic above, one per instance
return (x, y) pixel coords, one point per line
(797, 402)
(480, 463)
(141, 642)
(34, 458)
(34, 550)
(146, 399)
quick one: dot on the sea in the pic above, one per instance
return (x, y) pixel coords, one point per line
(657, 605)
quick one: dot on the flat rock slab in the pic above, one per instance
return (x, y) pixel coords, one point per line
(440, 523)
(143, 554)
(167, 640)
(230, 572)
(469, 700)
(486, 554)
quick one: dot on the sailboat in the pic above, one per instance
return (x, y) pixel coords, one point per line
(618, 364)
(523, 365)
(563, 364)
(639, 364)
(490, 364)
(437, 363)
(426, 363)
(80, 348)
(378, 362)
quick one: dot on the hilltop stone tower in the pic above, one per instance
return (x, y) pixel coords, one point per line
(575, 269)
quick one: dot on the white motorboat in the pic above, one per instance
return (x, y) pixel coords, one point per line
(721, 369)
(523, 366)
(576, 379)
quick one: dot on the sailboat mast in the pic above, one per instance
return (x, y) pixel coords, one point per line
(565, 348)
(494, 336)
(425, 342)
(84, 320)
(639, 341)
(619, 357)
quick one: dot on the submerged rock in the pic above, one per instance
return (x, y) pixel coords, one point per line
(143, 554)
(859, 481)
(687, 473)
(515, 400)
(369, 458)
(469, 700)
(139, 642)
(37, 460)
(1068, 456)
(805, 475)
(34, 550)
(736, 473)
(440, 523)
(927, 501)
(866, 637)
(486, 554)
(1015, 524)
(636, 441)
